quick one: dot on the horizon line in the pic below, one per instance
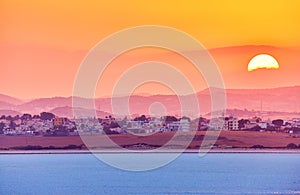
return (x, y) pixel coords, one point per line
(142, 94)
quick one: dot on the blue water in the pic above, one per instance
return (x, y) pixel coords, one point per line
(189, 174)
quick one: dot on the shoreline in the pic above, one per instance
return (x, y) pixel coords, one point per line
(190, 151)
(226, 142)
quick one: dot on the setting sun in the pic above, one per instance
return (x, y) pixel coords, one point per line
(263, 61)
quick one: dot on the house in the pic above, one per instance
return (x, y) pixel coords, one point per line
(184, 125)
(231, 123)
(217, 123)
(262, 125)
(224, 123)
(58, 121)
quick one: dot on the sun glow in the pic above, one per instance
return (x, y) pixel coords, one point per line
(263, 61)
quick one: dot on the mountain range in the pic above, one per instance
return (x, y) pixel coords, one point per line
(279, 101)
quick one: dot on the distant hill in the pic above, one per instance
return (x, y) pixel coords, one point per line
(10, 112)
(10, 100)
(44, 104)
(283, 99)
(6, 106)
(68, 112)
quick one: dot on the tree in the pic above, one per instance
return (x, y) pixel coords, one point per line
(107, 131)
(255, 128)
(114, 125)
(270, 128)
(292, 146)
(12, 125)
(10, 118)
(258, 119)
(17, 117)
(26, 116)
(47, 116)
(36, 116)
(201, 120)
(257, 146)
(141, 118)
(201, 123)
(242, 123)
(277, 122)
(170, 119)
(2, 125)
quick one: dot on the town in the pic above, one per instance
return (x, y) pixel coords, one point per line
(47, 124)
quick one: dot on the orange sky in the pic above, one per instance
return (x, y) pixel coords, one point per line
(43, 42)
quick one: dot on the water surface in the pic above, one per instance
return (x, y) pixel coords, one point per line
(188, 174)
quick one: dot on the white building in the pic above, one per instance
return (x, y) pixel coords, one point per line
(217, 123)
(231, 123)
(184, 125)
(263, 125)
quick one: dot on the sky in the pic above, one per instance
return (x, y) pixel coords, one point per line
(42, 43)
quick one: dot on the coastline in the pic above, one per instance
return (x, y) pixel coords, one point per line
(212, 151)
(227, 142)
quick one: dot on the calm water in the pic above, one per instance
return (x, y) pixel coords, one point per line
(189, 174)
